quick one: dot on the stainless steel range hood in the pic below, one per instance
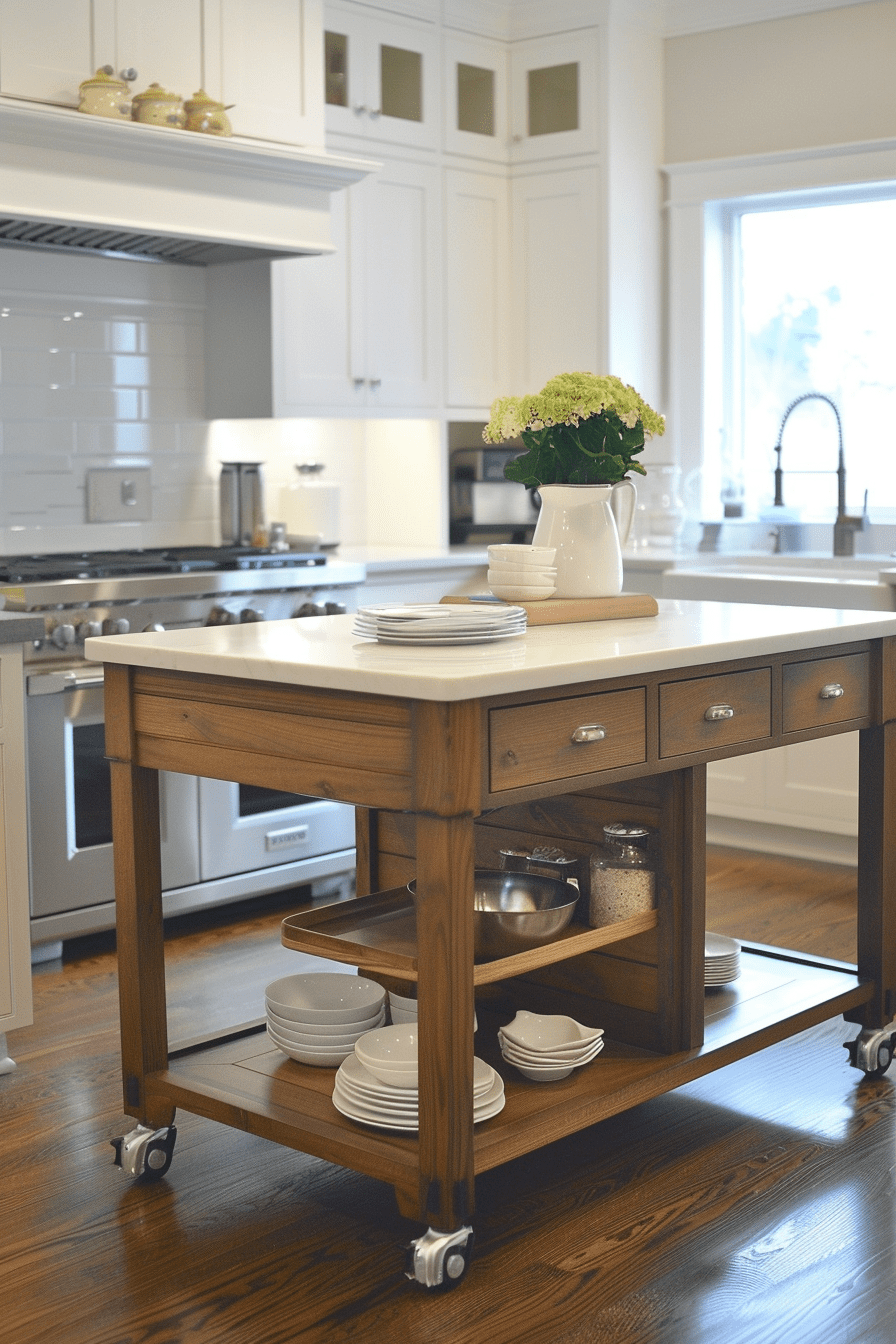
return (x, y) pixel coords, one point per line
(89, 185)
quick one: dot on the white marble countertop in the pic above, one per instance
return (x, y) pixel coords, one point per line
(323, 652)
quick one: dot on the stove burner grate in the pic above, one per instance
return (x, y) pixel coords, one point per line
(170, 560)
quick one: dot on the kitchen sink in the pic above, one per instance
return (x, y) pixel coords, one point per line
(864, 583)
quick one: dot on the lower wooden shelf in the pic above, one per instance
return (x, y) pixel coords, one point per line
(379, 933)
(248, 1084)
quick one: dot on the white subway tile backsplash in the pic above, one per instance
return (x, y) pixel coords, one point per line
(101, 363)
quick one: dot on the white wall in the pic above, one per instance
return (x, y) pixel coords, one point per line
(790, 83)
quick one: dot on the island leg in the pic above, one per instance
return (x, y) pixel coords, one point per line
(138, 902)
(873, 1049)
(445, 1007)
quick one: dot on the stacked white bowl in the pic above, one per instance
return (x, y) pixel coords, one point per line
(377, 1084)
(548, 1046)
(316, 1018)
(522, 573)
(403, 1009)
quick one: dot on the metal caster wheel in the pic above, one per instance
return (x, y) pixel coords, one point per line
(439, 1259)
(145, 1152)
(872, 1050)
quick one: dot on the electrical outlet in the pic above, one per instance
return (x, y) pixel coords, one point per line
(117, 495)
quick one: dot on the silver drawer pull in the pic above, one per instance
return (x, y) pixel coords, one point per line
(717, 712)
(589, 732)
(832, 691)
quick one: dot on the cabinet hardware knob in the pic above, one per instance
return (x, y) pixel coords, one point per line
(129, 74)
(589, 732)
(717, 712)
(832, 691)
(358, 382)
(359, 108)
(374, 382)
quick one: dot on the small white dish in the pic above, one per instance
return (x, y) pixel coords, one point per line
(535, 578)
(402, 1000)
(325, 996)
(548, 1031)
(519, 593)
(558, 1059)
(402, 1016)
(391, 1054)
(515, 553)
(544, 1075)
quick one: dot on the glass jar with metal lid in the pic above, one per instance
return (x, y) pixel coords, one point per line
(623, 881)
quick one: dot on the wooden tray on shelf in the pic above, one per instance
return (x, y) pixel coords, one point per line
(379, 933)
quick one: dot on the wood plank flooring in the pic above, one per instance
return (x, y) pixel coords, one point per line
(754, 1206)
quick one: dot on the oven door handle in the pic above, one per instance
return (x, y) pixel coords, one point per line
(55, 683)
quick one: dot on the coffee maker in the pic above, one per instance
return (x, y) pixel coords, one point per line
(484, 507)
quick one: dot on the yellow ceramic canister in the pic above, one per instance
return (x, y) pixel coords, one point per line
(105, 96)
(204, 114)
(155, 106)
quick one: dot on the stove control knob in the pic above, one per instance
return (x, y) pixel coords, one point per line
(116, 625)
(62, 635)
(154, 629)
(219, 616)
(336, 608)
(87, 630)
(310, 609)
(249, 614)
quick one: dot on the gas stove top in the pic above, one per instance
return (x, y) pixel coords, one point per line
(20, 569)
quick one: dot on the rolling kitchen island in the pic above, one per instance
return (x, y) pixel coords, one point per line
(450, 754)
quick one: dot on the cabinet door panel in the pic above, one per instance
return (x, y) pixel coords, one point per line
(559, 321)
(46, 49)
(553, 96)
(161, 41)
(401, 322)
(272, 69)
(476, 107)
(476, 288)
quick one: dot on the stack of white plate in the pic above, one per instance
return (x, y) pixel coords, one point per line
(548, 1046)
(437, 623)
(721, 960)
(377, 1085)
(317, 1017)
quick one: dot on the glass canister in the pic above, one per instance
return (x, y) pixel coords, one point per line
(623, 880)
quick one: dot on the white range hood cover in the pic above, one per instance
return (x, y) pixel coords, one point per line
(98, 186)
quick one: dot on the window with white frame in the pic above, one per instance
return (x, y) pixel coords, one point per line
(782, 281)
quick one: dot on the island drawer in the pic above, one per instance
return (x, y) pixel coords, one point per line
(826, 690)
(560, 739)
(718, 711)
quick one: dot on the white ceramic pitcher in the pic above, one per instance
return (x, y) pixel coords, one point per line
(588, 525)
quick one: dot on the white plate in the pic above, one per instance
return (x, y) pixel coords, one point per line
(484, 1109)
(717, 945)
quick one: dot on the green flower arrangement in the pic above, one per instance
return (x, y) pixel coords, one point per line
(581, 429)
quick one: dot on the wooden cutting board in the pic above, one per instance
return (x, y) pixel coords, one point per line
(560, 610)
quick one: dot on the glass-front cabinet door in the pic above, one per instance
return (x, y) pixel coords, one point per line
(381, 78)
(476, 110)
(553, 96)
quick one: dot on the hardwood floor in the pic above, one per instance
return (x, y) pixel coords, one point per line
(755, 1205)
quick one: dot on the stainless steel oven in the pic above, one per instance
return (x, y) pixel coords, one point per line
(221, 841)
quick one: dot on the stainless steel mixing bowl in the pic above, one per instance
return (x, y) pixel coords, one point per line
(516, 911)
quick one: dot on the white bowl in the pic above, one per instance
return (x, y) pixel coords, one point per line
(288, 1030)
(401, 1016)
(548, 1031)
(325, 996)
(512, 553)
(391, 1054)
(514, 1055)
(321, 1059)
(519, 593)
(556, 1054)
(326, 1030)
(543, 1075)
(402, 1000)
(530, 578)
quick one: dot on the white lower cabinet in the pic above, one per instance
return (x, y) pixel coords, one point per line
(801, 799)
(361, 328)
(15, 941)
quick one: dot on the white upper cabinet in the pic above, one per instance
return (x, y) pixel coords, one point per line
(554, 96)
(360, 329)
(271, 68)
(48, 47)
(475, 98)
(263, 56)
(477, 288)
(381, 77)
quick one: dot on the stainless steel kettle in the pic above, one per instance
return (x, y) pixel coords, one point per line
(242, 503)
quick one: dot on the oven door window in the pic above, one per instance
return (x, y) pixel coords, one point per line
(92, 789)
(254, 800)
